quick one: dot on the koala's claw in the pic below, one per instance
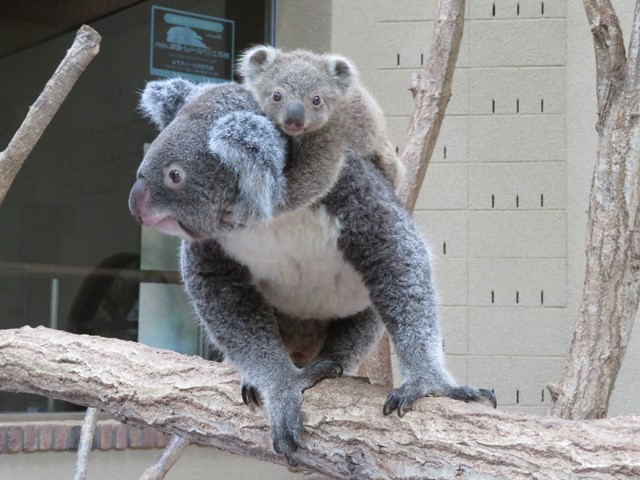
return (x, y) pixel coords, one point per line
(402, 398)
(250, 396)
(487, 396)
(396, 402)
(319, 371)
(286, 431)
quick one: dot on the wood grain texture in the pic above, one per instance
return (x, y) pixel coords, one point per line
(345, 432)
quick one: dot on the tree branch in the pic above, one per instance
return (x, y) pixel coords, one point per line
(610, 55)
(86, 440)
(169, 457)
(346, 434)
(431, 93)
(85, 46)
(612, 276)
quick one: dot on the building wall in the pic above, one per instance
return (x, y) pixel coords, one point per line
(502, 207)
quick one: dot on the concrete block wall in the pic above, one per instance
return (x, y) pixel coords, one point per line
(493, 208)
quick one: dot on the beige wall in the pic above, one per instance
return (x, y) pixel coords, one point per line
(503, 205)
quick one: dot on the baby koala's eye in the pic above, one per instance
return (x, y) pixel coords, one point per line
(277, 96)
(174, 177)
(316, 100)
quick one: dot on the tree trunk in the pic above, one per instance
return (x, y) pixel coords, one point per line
(345, 432)
(612, 277)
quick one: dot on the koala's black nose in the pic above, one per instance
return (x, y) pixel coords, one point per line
(294, 115)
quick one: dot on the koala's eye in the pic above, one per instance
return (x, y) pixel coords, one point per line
(316, 100)
(277, 96)
(174, 177)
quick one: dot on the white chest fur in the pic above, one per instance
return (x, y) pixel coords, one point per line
(296, 265)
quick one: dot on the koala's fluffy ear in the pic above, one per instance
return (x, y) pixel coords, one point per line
(341, 71)
(161, 99)
(255, 60)
(255, 150)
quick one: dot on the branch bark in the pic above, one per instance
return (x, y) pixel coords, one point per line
(431, 93)
(86, 439)
(169, 457)
(346, 434)
(85, 46)
(612, 277)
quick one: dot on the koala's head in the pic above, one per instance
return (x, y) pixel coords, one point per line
(216, 165)
(298, 90)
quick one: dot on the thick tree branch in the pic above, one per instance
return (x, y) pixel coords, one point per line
(346, 434)
(85, 46)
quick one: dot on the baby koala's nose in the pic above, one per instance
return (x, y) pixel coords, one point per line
(294, 115)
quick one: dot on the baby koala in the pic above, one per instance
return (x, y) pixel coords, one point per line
(318, 101)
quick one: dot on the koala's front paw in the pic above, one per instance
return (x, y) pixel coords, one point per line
(402, 398)
(282, 404)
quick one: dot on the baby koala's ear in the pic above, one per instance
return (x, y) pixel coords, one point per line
(161, 100)
(255, 60)
(341, 71)
(254, 149)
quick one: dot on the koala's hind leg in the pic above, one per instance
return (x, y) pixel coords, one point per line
(349, 339)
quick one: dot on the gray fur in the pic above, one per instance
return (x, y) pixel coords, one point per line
(335, 269)
(247, 144)
(161, 100)
(348, 120)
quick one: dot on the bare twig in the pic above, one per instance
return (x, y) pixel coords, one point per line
(169, 457)
(84, 48)
(86, 440)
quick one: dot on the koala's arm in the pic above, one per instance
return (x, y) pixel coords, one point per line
(243, 325)
(382, 242)
(234, 312)
(313, 168)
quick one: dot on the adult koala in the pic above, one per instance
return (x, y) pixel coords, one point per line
(294, 269)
